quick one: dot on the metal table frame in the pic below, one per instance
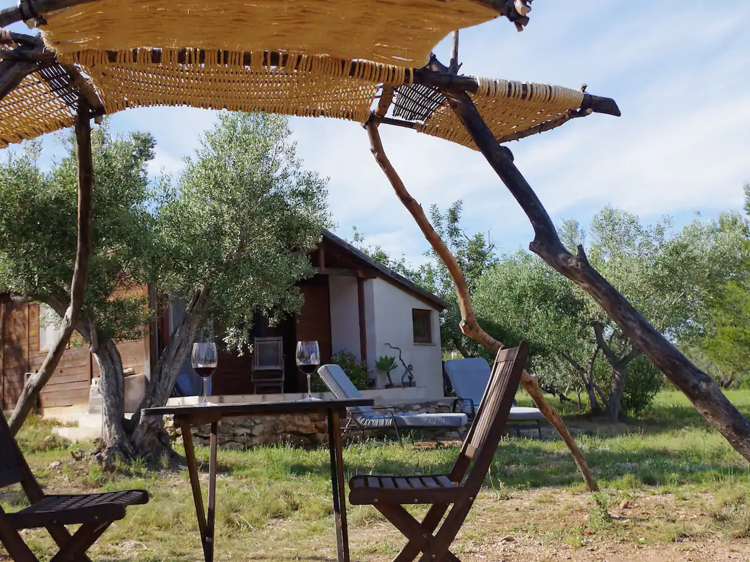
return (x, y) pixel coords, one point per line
(186, 417)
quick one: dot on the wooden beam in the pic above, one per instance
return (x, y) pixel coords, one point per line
(453, 66)
(341, 272)
(12, 73)
(362, 319)
(698, 386)
(32, 9)
(84, 87)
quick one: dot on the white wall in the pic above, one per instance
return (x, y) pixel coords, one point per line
(344, 314)
(392, 312)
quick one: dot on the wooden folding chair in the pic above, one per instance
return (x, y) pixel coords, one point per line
(94, 512)
(455, 491)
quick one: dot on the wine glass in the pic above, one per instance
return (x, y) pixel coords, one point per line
(205, 359)
(308, 360)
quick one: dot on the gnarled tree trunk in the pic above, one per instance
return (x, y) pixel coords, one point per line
(115, 440)
(147, 433)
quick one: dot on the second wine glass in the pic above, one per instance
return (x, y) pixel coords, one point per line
(308, 360)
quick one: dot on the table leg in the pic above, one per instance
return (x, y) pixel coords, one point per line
(211, 523)
(339, 486)
(187, 440)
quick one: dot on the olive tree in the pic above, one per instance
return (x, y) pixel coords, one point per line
(232, 229)
(38, 235)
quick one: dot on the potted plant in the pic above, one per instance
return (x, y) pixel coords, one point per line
(386, 364)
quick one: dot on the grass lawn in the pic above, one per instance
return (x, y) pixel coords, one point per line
(672, 490)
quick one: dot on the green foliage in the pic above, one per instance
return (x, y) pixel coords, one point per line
(730, 345)
(644, 382)
(386, 364)
(38, 229)
(234, 220)
(355, 369)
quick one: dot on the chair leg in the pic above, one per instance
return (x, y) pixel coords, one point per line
(444, 538)
(398, 434)
(539, 428)
(81, 541)
(15, 545)
(429, 524)
(62, 536)
(419, 537)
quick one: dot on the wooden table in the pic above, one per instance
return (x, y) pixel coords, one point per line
(186, 417)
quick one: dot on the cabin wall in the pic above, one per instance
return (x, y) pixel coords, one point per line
(392, 315)
(70, 385)
(13, 352)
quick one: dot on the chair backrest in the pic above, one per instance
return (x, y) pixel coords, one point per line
(340, 385)
(13, 467)
(469, 378)
(487, 429)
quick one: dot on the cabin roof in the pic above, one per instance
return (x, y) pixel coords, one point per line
(385, 271)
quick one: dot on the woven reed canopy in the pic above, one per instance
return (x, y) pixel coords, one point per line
(320, 58)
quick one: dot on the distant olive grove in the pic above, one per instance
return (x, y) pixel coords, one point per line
(692, 284)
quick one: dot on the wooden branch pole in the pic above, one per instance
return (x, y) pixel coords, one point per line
(699, 387)
(469, 324)
(12, 72)
(35, 384)
(454, 54)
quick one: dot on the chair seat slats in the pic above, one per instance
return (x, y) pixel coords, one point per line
(402, 483)
(387, 482)
(416, 483)
(445, 482)
(402, 490)
(68, 510)
(430, 482)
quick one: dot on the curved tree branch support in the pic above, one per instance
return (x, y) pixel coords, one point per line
(469, 324)
(35, 384)
(700, 388)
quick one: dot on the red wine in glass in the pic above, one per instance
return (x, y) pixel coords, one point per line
(205, 359)
(308, 369)
(204, 372)
(308, 360)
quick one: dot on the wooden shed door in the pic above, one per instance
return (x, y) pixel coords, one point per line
(14, 356)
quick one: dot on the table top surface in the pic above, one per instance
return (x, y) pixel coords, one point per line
(257, 408)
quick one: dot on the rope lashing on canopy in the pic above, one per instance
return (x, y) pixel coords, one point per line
(507, 107)
(302, 85)
(33, 108)
(289, 84)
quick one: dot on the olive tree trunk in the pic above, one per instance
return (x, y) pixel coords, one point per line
(147, 433)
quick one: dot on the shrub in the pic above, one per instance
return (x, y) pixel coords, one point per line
(643, 382)
(355, 369)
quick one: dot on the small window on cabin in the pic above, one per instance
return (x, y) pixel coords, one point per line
(421, 321)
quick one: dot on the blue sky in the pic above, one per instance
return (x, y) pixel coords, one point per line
(680, 71)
